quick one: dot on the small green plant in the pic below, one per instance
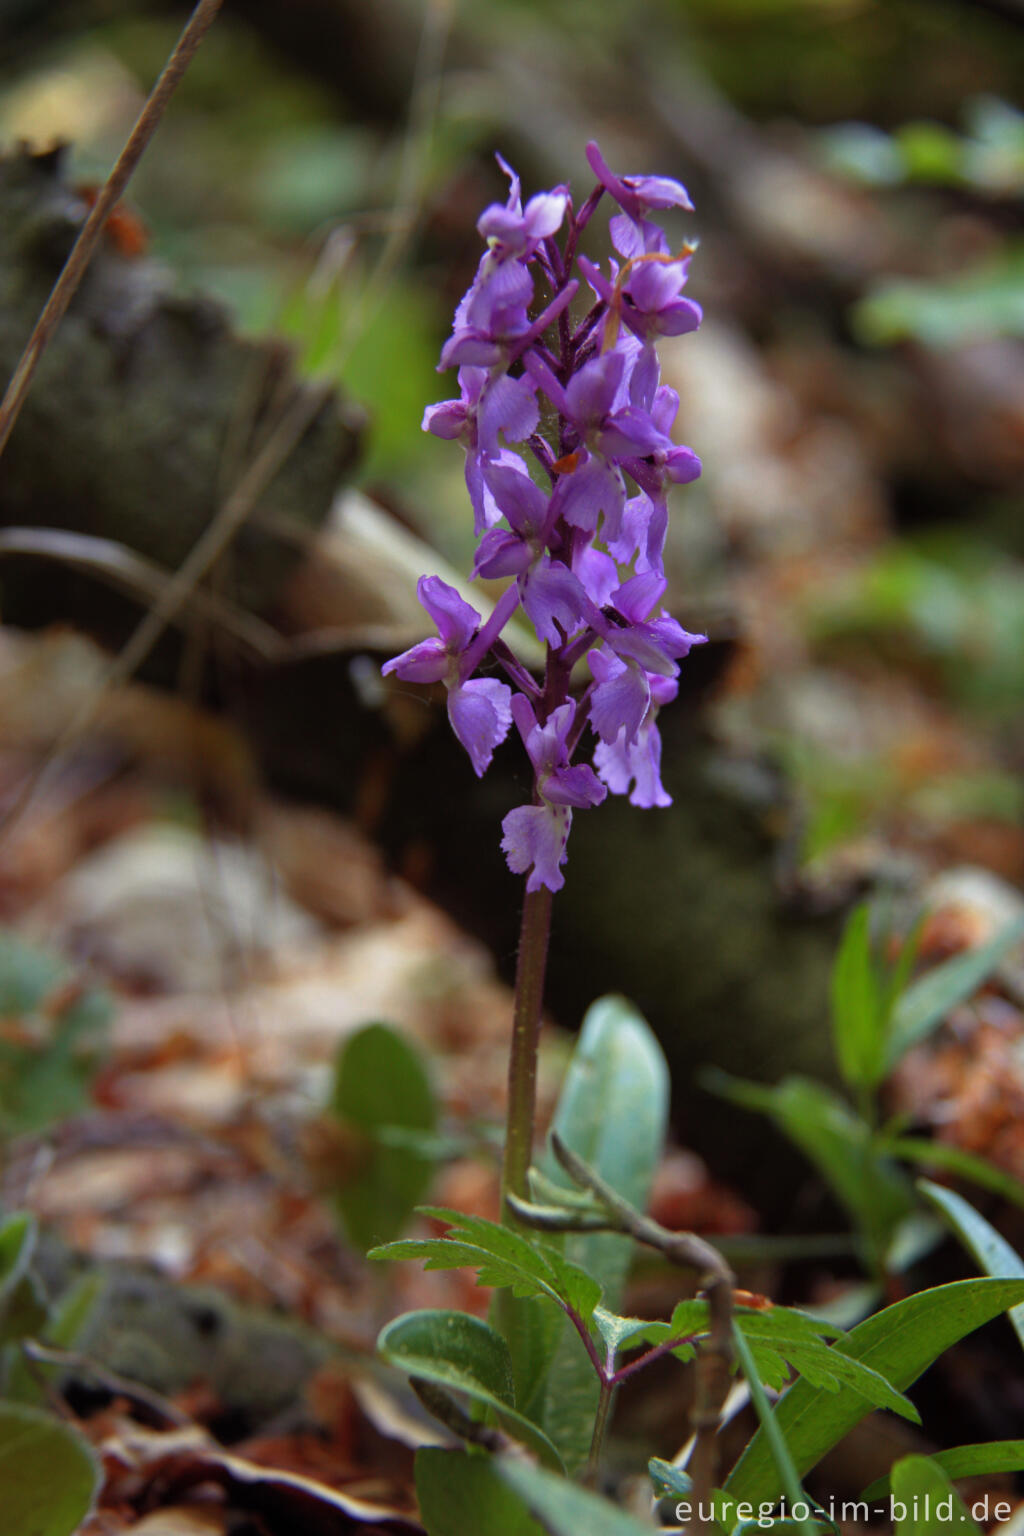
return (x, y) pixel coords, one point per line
(52, 1035)
(878, 1014)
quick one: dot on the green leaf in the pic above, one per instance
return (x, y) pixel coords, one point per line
(463, 1354)
(982, 1460)
(458, 1493)
(381, 1086)
(985, 1245)
(858, 1012)
(928, 1000)
(17, 1245)
(565, 1508)
(940, 1154)
(24, 1313)
(931, 1505)
(785, 1467)
(794, 1336)
(899, 1343)
(48, 1474)
(612, 1112)
(502, 1257)
(62, 1325)
(839, 1143)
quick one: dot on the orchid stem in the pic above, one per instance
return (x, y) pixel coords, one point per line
(522, 1068)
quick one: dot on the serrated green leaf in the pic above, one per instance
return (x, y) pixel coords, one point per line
(564, 1507)
(899, 1342)
(463, 1354)
(932, 1506)
(502, 1257)
(985, 1245)
(381, 1087)
(858, 1011)
(612, 1112)
(982, 1460)
(928, 1000)
(458, 1493)
(49, 1477)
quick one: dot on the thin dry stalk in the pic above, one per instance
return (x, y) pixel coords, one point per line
(83, 248)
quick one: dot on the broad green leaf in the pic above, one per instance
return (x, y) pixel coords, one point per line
(564, 1507)
(927, 1001)
(612, 1112)
(17, 1244)
(463, 1354)
(27, 975)
(48, 1474)
(381, 1085)
(858, 1012)
(459, 1493)
(925, 1503)
(982, 1460)
(839, 1143)
(940, 1154)
(985, 1245)
(899, 1343)
(502, 1257)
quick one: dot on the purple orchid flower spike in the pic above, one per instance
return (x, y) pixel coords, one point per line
(479, 708)
(535, 836)
(633, 234)
(580, 545)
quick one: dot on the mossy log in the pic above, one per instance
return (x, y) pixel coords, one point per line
(145, 409)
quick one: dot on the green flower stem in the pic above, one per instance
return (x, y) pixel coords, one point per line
(522, 1067)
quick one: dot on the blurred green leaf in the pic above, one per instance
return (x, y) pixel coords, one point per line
(984, 302)
(49, 1476)
(985, 1245)
(461, 1353)
(926, 1002)
(838, 1142)
(458, 1493)
(381, 1084)
(940, 1154)
(900, 1343)
(859, 1013)
(17, 1244)
(992, 1456)
(932, 1506)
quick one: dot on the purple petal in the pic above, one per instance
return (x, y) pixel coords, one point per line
(544, 214)
(590, 393)
(447, 419)
(501, 554)
(578, 786)
(551, 592)
(597, 572)
(620, 704)
(510, 406)
(517, 497)
(637, 596)
(427, 662)
(682, 466)
(469, 348)
(524, 717)
(619, 764)
(654, 284)
(456, 620)
(592, 491)
(535, 839)
(480, 714)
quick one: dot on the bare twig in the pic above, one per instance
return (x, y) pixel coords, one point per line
(83, 248)
(714, 1357)
(38, 1354)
